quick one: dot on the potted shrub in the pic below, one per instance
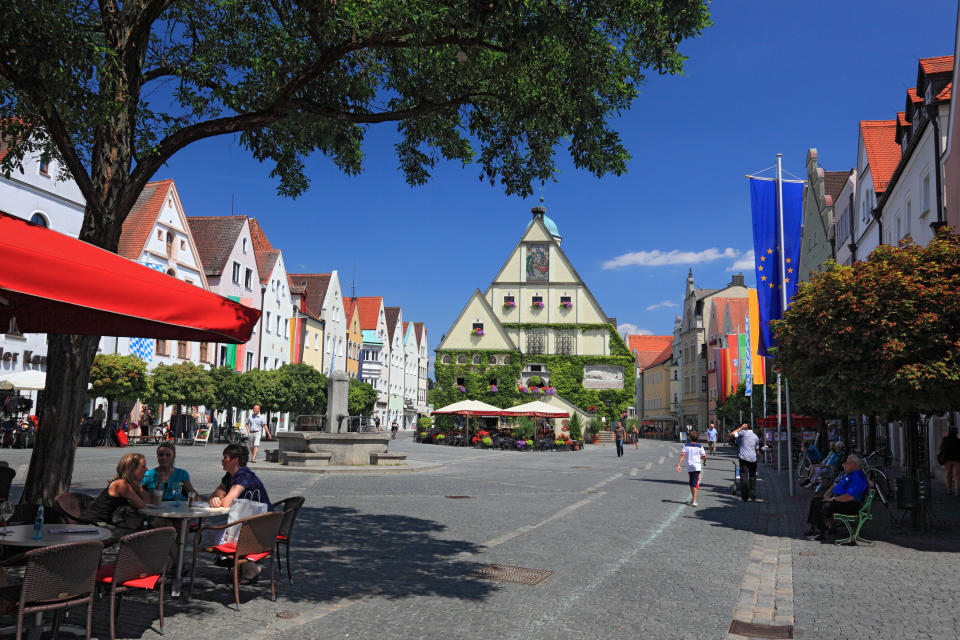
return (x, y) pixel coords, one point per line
(487, 441)
(440, 438)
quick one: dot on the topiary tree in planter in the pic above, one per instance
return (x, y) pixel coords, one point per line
(575, 427)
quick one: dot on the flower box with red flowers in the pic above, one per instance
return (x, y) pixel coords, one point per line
(566, 304)
(492, 388)
(477, 332)
(521, 389)
(538, 304)
(461, 388)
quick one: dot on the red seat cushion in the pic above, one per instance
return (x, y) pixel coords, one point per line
(280, 536)
(105, 575)
(231, 549)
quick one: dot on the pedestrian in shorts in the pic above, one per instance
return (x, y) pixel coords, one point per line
(695, 456)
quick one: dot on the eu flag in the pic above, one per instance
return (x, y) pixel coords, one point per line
(766, 249)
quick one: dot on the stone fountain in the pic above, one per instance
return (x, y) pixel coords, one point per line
(335, 446)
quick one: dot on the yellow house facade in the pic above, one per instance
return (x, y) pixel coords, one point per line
(354, 337)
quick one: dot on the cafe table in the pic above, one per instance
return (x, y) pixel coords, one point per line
(183, 514)
(21, 535)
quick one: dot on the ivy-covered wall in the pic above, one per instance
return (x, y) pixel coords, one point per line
(566, 374)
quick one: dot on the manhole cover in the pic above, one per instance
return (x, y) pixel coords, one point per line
(456, 497)
(287, 614)
(507, 573)
(761, 630)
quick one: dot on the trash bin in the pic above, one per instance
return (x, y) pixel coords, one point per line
(906, 494)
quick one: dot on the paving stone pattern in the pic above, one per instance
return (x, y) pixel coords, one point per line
(390, 556)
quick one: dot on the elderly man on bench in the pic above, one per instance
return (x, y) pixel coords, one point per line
(845, 496)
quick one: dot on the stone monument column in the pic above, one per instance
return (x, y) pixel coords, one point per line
(338, 387)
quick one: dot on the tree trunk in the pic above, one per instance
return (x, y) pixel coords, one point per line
(68, 369)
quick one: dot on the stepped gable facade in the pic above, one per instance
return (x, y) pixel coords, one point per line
(536, 325)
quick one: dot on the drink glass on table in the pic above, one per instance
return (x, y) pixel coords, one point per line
(179, 489)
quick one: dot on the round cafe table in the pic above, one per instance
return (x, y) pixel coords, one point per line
(183, 514)
(21, 535)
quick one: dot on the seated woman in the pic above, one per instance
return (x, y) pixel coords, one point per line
(117, 504)
(172, 479)
(239, 482)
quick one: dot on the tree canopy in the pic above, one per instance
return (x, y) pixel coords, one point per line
(881, 336)
(361, 398)
(117, 377)
(114, 89)
(181, 384)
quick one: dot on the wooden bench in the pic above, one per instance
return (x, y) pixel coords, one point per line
(859, 519)
(388, 458)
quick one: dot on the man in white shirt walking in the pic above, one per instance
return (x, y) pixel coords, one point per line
(256, 425)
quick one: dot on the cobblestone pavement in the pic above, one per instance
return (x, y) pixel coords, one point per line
(391, 556)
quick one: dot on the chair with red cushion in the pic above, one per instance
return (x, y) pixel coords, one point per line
(56, 578)
(256, 541)
(142, 562)
(290, 508)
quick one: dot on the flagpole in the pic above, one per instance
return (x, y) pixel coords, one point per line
(783, 308)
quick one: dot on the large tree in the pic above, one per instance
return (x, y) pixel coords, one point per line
(114, 89)
(879, 337)
(117, 378)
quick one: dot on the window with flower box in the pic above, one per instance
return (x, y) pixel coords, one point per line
(477, 329)
(538, 302)
(566, 302)
(508, 302)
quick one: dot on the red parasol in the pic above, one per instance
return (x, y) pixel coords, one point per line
(52, 283)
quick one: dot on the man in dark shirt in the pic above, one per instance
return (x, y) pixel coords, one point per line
(619, 434)
(845, 496)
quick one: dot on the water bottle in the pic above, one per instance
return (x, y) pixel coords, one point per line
(38, 524)
(178, 487)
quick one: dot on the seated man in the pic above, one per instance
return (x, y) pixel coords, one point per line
(813, 454)
(845, 496)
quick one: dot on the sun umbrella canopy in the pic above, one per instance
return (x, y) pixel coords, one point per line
(470, 408)
(537, 409)
(23, 381)
(52, 283)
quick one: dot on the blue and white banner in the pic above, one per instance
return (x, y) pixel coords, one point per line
(748, 364)
(143, 347)
(766, 248)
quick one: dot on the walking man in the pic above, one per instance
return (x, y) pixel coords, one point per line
(256, 424)
(619, 434)
(749, 443)
(712, 438)
(696, 456)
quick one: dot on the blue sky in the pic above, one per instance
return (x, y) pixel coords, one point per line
(768, 77)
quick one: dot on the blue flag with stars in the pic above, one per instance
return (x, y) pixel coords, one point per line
(766, 249)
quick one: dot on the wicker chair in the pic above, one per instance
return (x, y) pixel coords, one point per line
(290, 508)
(257, 540)
(142, 561)
(56, 578)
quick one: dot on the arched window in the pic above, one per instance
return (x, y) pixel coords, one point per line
(40, 220)
(171, 272)
(492, 360)
(476, 359)
(445, 359)
(506, 359)
(462, 360)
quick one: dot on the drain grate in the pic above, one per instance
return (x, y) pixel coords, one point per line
(456, 497)
(507, 573)
(752, 630)
(287, 614)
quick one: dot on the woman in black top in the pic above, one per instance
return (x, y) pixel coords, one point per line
(950, 450)
(124, 490)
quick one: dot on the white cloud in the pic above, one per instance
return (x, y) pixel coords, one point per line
(657, 258)
(666, 304)
(744, 263)
(625, 328)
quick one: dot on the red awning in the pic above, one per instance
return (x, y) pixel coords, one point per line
(52, 283)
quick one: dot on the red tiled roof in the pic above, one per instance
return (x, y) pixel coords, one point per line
(937, 64)
(912, 95)
(883, 152)
(266, 260)
(294, 287)
(902, 119)
(369, 311)
(944, 95)
(649, 350)
(139, 223)
(317, 285)
(392, 314)
(259, 238)
(215, 237)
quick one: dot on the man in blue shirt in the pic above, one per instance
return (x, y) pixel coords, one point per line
(845, 496)
(748, 443)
